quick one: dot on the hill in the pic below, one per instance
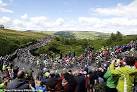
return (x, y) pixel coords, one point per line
(65, 42)
(10, 40)
(90, 35)
(80, 34)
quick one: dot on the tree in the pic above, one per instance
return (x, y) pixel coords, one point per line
(1, 26)
(113, 37)
(119, 36)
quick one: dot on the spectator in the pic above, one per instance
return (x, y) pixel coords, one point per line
(111, 82)
(51, 81)
(59, 87)
(3, 85)
(41, 87)
(126, 75)
(15, 71)
(80, 83)
(69, 83)
(19, 83)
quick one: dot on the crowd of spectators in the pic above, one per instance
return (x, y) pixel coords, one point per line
(115, 70)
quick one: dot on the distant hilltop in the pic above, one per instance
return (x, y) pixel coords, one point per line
(83, 34)
(79, 34)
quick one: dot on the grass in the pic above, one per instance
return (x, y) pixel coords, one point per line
(10, 40)
(83, 34)
(90, 35)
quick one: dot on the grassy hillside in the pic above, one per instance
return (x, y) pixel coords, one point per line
(74, 41)
(81, 34)
(70, 44)
(48, 32)
(90, 35)
(10, 40)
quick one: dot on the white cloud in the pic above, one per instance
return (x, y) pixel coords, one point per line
(5, 20)
(32, 23)
(129, 10)
(121, 18)
(59, 21)
(115, 21)
(89, 20)
(38, 19)
(2, 3)
(124, 25)
(3, 7)
(24, 17)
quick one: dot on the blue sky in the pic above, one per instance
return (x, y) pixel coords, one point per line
(56, 15)
(59, 8)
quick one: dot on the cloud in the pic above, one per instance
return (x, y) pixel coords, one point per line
(108, 25)
(3, 7)
(25, 16)
(129, 10)
(40, 20)
(113, 24)
(114, 21)
(5, 20)
(32, 23)
(89, 20)
(121, 18)
(59, 21)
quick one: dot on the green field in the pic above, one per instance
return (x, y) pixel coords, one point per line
(77, 42)
(10, 40)
(90, 35)
(64, 42)
(83, 34)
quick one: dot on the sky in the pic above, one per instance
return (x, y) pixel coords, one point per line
(70, 15)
